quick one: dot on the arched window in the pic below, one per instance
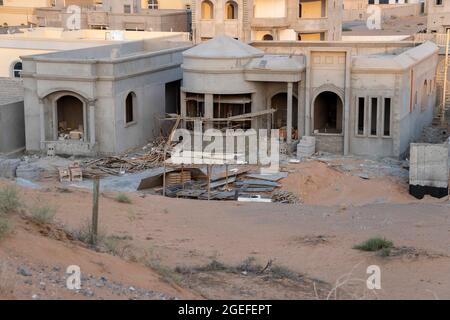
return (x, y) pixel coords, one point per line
(153, 4)
(17, 69)
(267, 37)
(207, 10)
(130, 104)
(231, 10)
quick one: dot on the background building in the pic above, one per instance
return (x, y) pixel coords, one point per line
(438, 16)
(357, 9)
(249, 20)
(116, 15)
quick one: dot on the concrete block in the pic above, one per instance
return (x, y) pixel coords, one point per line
(306, 147)
(428, 173)
(8, 168)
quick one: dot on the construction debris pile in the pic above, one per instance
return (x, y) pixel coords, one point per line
(151, 156)
(238, 184)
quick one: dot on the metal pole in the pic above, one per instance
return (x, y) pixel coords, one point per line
(226, 176)
(209, 181)
(95, 193)
(445, 78)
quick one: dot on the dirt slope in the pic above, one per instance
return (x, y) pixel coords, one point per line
(33, 261)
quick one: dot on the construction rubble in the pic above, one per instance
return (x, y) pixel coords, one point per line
(151, 156)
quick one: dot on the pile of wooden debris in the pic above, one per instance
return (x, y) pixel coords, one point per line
(151, 156)
(238, 184)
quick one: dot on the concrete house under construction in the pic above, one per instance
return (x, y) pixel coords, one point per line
(354, 98)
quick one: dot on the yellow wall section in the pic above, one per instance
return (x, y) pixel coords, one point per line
(310, 36)
(312, 8)
(26, 3)
(270, 8)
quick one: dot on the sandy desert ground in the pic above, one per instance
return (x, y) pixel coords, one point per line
(196, 249)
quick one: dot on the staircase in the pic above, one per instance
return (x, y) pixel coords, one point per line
(440, 82)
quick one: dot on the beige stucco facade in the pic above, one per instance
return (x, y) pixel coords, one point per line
(247, 20)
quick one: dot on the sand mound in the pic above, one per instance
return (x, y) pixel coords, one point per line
(316, 183)
(34, 259)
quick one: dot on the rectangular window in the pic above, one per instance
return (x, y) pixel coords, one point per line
(387, 117)
(361, 115)
(127, 8)
(373, 116)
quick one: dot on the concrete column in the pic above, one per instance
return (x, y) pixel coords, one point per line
(85, 122)
(301, 108)
(55, 121)
(183, 110)
(209, 109)
(92, 137)
(290, 87)
(308, 96)
(347, 104)
(269, 116)
(42, 122)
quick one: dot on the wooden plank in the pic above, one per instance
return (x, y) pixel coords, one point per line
(241, 117)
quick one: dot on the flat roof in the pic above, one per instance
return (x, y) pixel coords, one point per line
(87, 34)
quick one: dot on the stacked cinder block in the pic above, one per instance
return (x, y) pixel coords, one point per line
(428, 173)
(306, 147)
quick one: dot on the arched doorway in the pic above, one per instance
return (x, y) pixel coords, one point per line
(328, 111)
(70, 118)
(267, 37)
(279, 103)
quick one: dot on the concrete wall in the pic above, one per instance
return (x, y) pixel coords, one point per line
(355, 47)
(429, 165)
(417, 113)
(12, 127)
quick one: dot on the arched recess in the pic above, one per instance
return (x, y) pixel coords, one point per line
(16, 69)
(130, 108)
(65, 116)
(207, 8)
(231, 10)
(328, 113)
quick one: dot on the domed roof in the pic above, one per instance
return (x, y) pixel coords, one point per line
(223, 47)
